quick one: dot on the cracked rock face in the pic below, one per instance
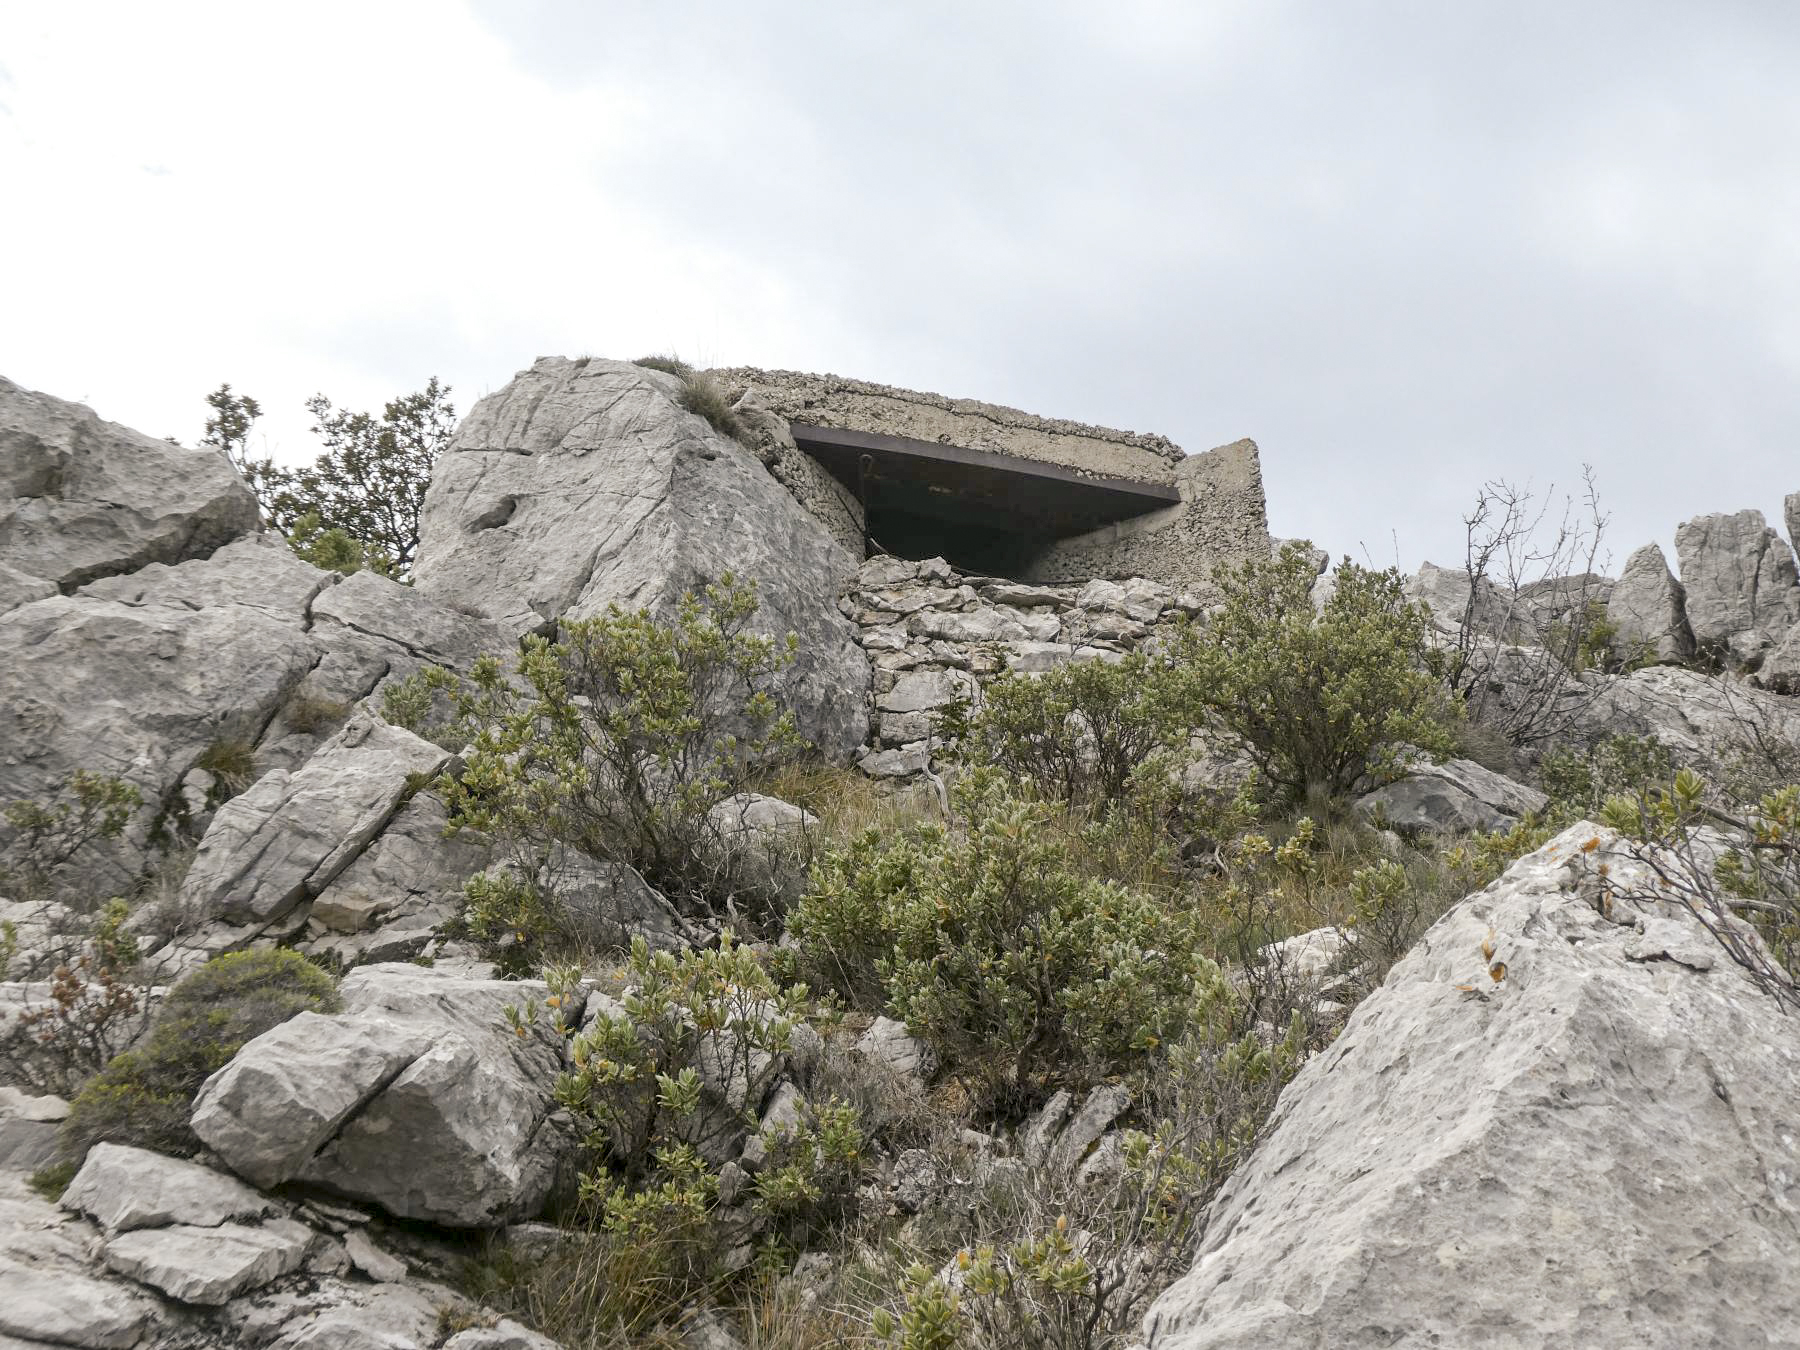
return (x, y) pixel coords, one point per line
(584, 484)
(417, 1098)
(1600, 1148)
(81, 498)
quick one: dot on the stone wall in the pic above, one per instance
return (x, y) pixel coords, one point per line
(933, 635)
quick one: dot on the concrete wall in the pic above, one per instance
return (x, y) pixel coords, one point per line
(1222, 518)
(856, 405)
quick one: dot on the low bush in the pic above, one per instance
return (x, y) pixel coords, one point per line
(669, 1088)
(143, 1096)
(1317, 696)
(1079, 733)
(997, 949)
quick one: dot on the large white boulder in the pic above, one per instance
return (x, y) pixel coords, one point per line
(81, 498)
(1596, 1149)
(585, 483)
(1740, 582)
(416, 1098)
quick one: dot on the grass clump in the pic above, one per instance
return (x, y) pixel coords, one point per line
(143, 1096)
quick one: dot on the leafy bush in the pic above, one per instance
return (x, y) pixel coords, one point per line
(143, 1096)
(1316, 696)
(1753, 881)
(1079, 732)
(617, 740)
(1579, 782)
(669, 1088)
(996, 949)
(95, 1008)
(45, 837)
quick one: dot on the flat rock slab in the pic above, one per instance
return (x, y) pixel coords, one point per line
(124, 1188)
(1597, 1149)
(209, 1266)
(48, 1304)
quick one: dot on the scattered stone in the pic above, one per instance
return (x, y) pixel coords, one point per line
(916, 1180)
(889, 1042)
(505, 1334)
(1458, 796)
(1077, 1139)
(371, 1260)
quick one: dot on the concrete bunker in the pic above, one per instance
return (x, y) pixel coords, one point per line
(1000, 492)
(980, 510)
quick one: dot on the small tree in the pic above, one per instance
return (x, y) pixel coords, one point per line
(370, 482)
(616, 741)
(1319, 695)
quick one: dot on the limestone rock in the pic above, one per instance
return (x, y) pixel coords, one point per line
(1450, 596)
(1590, 1151)
(81, 498)
(1648, 607)
(426, 628)
(925, 691)
(462, 1135)
(415, 1098)
(269, 1110)
(46, 1304)
(1458, 796)
(1705, 721)
(889, 1043)
(371, 1260)
(1094, 1118)
(583, 484)
(123, 1188)
(285, 839)
(1740, 581)
(20, 588)
(505, 1334)
(409, 868)
(209, 1266)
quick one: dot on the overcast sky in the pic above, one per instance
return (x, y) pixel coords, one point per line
(1405, 246)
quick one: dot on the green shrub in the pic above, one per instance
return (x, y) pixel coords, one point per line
(44, 837)
(668, 1089)
(1580, 781)
(995, 947)
(231, 761)
(669, 365)
(617, 740)
(1320, 696)
(143, 1096)
(1079, 732)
